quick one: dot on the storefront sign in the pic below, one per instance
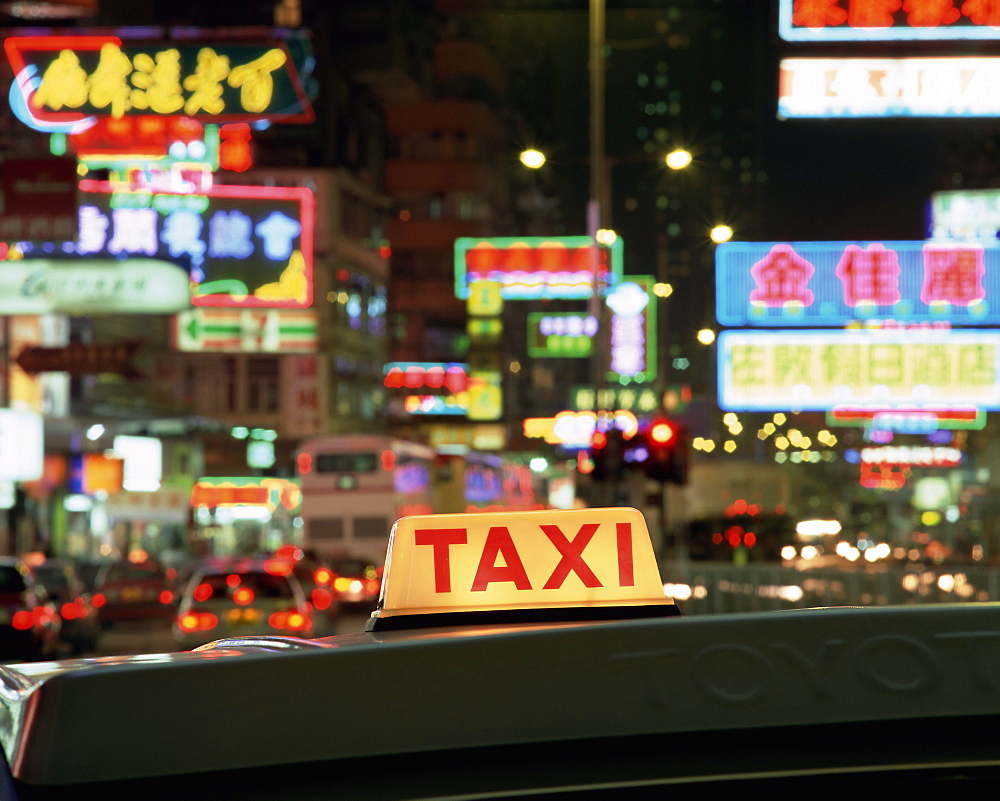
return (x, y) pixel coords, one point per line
(22, 446)
(940, 86)
(246, 245)
(272, 493)
(246, 330)
(68, 79)
(93, 286)
(860, 21)
(529, 268)
(822, 370)
(836, 283)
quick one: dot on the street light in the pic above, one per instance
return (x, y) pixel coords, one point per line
(678, 159)
(533, 159)
(721, 233)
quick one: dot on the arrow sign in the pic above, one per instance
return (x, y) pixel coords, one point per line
(79, 360)
(246, 330)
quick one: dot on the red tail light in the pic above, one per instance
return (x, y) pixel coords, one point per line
(321, 598)
(322, 575)
(202, 592)
(243, 596)
(293, 620)
(166, 597)
(197, 621)
(98, 600)
(371, 586)
(22, 620)
(71, 610)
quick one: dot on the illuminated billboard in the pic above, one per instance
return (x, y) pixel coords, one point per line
(889, 87)
(632, 330)
(818, 370)
(835, 283)
(965, 214)
(887, 20)
(531, 268)
(248, 246)
(561, 335)
(62, 83)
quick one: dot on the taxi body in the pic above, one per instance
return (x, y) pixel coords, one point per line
(460, 690)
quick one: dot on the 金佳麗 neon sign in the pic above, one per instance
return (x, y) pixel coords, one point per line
(822, 370)
(67, 79)
(886, 20)
(835, 283)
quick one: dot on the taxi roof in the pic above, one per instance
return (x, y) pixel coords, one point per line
(339, 701)
(507, 704)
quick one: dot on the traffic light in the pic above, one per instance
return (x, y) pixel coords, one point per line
(667, 446)
(606, 452)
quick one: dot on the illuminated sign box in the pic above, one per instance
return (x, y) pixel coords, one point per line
(246, 330)
(69, 80)
(633, 329)
(834, 283)
(850, 20)
(823, 370)
(889, 87)
(247, 245)
(530, 268)
(965, 214)
(560, 334)
(907, 419)
(93, 286)
(271, 493)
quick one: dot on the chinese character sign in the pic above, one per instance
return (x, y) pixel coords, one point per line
(887, 20)
(530, 268)
(246, 245)
(822, 370)
(835, 283)
(65, 79)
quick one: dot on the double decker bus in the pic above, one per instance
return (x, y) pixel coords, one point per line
(355, 486)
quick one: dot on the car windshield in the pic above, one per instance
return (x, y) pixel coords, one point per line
(128, 571)
(55, 579)
(11, 580)
(218, 586)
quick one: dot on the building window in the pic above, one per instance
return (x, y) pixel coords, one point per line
(262, 384)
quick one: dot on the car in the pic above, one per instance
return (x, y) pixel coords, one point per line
(357, 581)
(240, 597)
(528, 655)
(316, 578)
(138, 589)
(29, 622)
(80, 618)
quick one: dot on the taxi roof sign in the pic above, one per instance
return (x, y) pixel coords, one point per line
(506, 566)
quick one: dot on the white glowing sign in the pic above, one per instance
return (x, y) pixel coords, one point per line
(633, 330)
(143, 462)
(821, 370)
(965, 214)
(913, 455)
(21, 445)
(88, 285)
(889, 87)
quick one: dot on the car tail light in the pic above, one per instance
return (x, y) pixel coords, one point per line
(98, 600)
(321, 598)
(371, 586)
(342, 584)
(292, 620)
(166, 597)
(203, 592)
(71, 610)
(322, 575)
(22, 620)
(243, 596)
(197, 621)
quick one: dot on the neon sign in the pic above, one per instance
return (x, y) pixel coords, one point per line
(71, 79)
(888, 87)
(967, 214)
(560, 334)
(886, 20)
(640, 399)
(907, 420)
(912, 455)
(835, 283)
(823, 370)
(530, 268)
(247, 246)
(272, 493)
(633, 330)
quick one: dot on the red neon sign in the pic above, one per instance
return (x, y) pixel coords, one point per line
(869, 276)
(781, 278)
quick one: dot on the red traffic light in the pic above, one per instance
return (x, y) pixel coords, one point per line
(598, 440)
